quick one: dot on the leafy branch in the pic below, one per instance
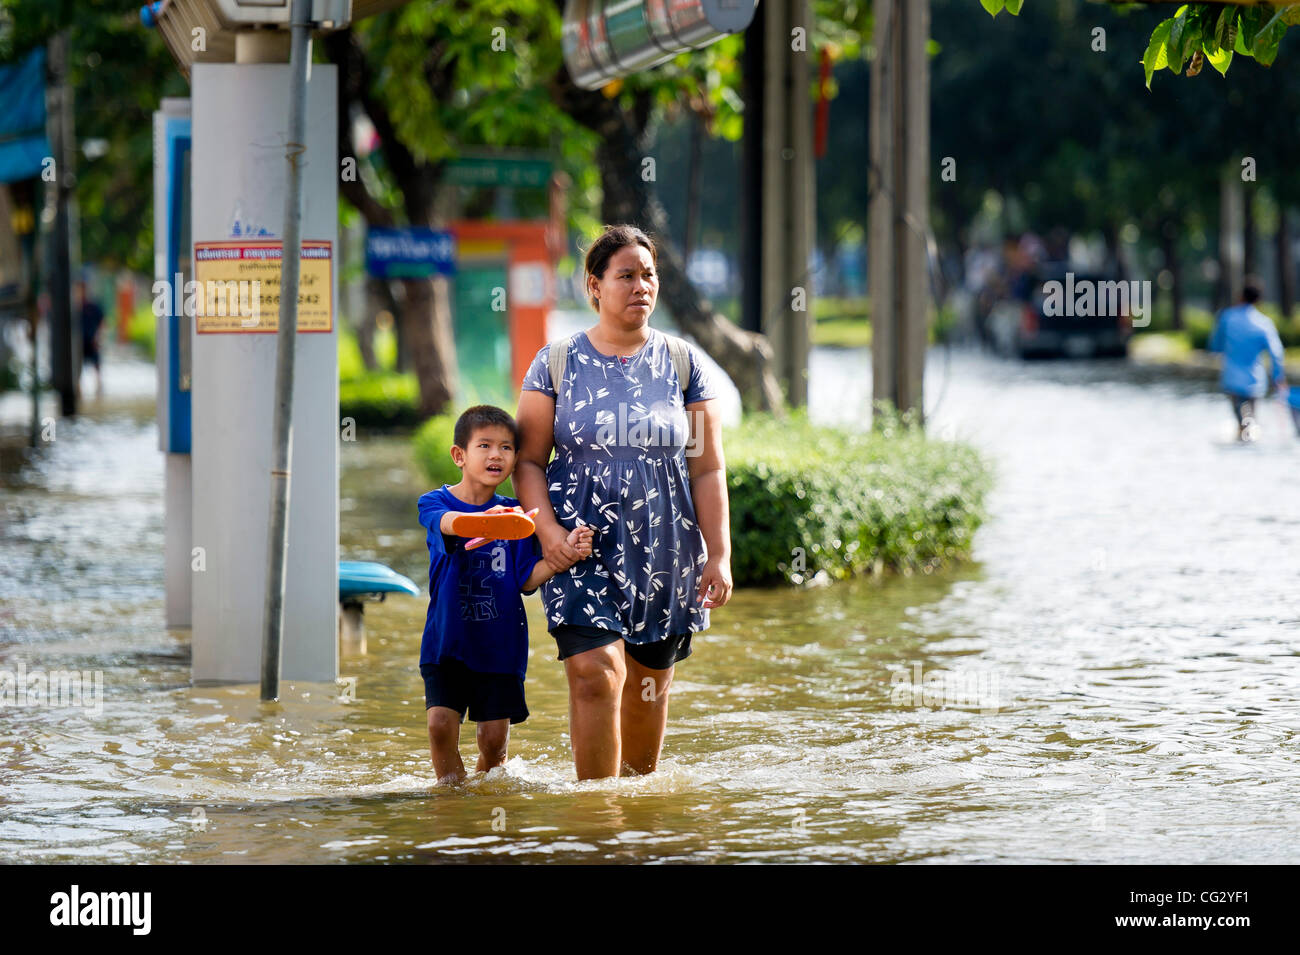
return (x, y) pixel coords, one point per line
(1204, 32)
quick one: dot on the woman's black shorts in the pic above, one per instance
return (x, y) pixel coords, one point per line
(574, 639)
(484, 696)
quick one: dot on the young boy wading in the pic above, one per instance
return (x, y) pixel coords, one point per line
(482, 556)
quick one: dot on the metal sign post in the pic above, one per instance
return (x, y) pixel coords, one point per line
(286, 340)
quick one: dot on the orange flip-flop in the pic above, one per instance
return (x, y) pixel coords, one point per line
(501, 526)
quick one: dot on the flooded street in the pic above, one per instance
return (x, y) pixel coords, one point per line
(1112, 680)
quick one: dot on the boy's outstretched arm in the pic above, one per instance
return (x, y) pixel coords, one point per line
(579, 538)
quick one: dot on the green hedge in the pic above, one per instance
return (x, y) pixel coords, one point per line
(351, 364)
(1198, 325)
(852, 502)
(806, 499)
(381, 399)
(142, 330)
(846, 323)
(373, 399)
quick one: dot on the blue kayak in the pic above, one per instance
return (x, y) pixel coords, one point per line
(360, 577)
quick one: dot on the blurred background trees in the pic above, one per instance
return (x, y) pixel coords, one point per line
(1045, 116)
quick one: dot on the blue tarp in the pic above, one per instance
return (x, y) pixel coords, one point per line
(23, 146)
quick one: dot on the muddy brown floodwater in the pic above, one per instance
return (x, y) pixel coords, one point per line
(1113, 679)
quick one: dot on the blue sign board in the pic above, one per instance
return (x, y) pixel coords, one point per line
(23, 146)
(409, 253)
(176, 137)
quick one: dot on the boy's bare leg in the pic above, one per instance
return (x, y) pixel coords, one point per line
(596, 680)
(493, 740)
(644, 716)
(444, 744)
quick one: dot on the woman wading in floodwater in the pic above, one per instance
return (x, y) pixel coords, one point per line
(638, 441)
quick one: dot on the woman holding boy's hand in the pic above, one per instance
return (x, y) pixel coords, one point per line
(638, 460)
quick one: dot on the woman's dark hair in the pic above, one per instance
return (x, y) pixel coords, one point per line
(483, 416)
(614, 237)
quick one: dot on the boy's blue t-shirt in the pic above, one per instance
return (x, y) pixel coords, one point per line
(476, 611)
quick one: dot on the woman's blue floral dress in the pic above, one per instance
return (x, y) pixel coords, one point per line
(621, 436)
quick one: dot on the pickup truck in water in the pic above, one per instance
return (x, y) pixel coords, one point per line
(1075, 315)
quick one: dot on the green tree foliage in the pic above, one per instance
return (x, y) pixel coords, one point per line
(1060, 138)
(1200, 33)
(118, 71)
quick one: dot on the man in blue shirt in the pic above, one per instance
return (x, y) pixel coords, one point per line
(1241, 333)
(474, 651)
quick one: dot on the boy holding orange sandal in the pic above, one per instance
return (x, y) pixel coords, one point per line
(482, 557)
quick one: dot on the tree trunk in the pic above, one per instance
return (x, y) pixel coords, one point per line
(376, 302)
(1115, 250)
(1285, 265)
(1231, 200)
(745, 356)
(402, 338)
(693, 188)
(1169, 240)
(423, 321)
(426, 326)
(750, 218)
(1250, 236)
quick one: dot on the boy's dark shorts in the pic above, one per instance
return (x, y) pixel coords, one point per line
(481, 696)
(574, 639)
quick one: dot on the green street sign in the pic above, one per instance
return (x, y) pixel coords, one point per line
(498, 171)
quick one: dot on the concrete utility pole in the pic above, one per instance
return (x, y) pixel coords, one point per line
(898, 214)
(239, 182)
(788, 219)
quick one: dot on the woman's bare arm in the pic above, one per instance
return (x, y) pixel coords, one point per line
(536, 419)
(708, 472)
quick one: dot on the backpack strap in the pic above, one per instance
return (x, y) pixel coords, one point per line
(678, 352)
(559, 361)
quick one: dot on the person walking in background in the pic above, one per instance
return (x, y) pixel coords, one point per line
(92, 328)
(1241, 333)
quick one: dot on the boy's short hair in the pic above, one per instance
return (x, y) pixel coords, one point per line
(483, 416)
(1251, 289)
